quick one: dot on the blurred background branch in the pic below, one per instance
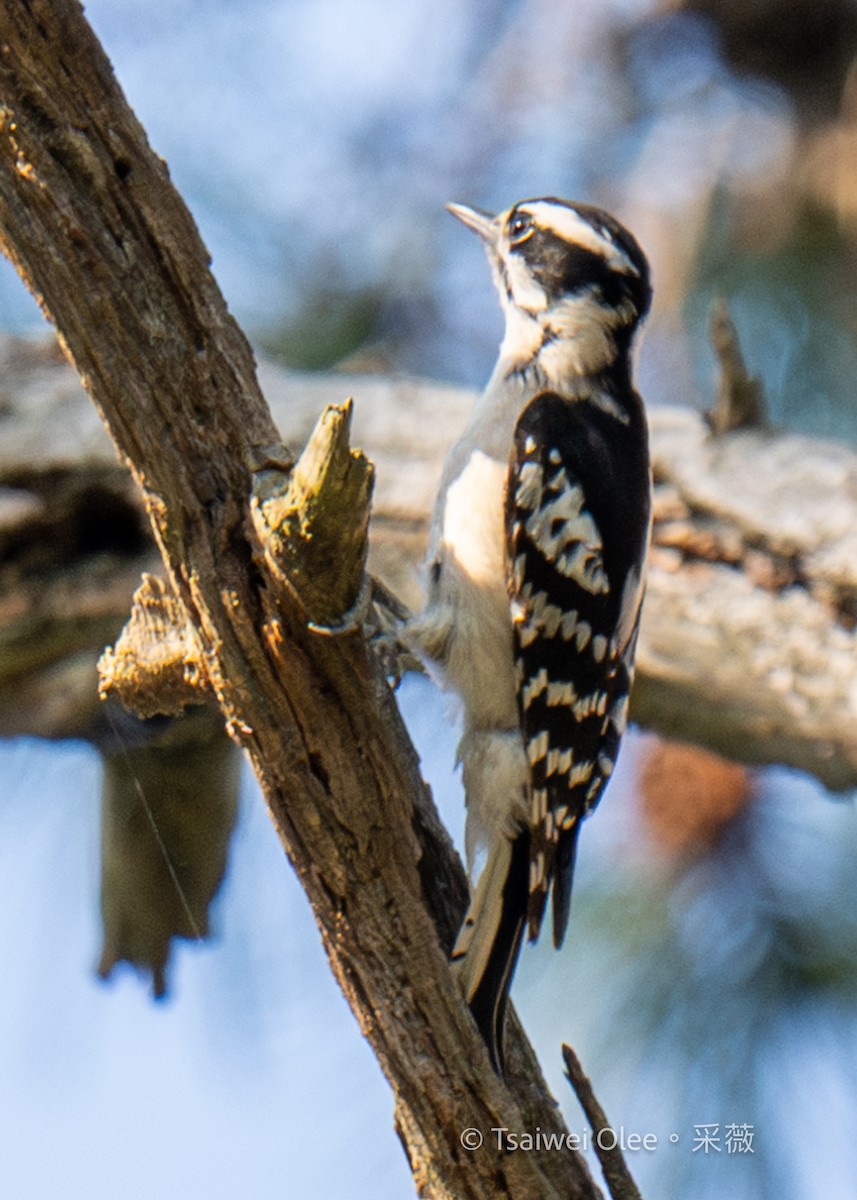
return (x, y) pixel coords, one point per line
(748, 639)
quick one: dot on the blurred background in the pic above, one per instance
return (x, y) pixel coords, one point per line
(711, 973)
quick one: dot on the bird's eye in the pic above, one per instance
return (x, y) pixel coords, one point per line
(520, 228)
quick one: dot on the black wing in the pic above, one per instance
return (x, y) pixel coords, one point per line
(577, 521)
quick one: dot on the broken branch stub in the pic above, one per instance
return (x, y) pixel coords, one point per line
(740, 401)
(312, 523)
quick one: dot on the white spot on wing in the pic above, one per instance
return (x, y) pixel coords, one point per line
(528, 490)
(569, 625)
(586, 706)
(533, 688)
(537, 748)
(580, 773)
(594, 788)
(561, 528)
(585, 567)
(541, 618)
(539, 805)
(560, 694)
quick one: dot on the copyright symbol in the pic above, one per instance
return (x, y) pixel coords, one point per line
(471, 1139)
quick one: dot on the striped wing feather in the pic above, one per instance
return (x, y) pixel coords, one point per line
(577, 517)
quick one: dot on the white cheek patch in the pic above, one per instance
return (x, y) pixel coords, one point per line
(571, 227)
(584, 343)
(526, 293)
(523, 335)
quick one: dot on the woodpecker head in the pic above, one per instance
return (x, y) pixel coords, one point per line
(573, 282)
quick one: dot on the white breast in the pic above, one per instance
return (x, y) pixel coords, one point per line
(472, 521)
(479, 661)
(467, 599)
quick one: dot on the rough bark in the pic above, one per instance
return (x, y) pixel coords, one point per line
(89, 217)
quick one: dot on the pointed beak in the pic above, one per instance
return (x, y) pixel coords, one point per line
(481, 222)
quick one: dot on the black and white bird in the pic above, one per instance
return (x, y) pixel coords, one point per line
(536, 571)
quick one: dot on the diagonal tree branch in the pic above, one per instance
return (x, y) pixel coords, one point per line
(89, 217)
(619, 1180)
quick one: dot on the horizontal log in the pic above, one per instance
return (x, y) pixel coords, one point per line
(748, 639)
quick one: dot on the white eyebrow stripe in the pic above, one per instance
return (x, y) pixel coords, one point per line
(571, 226)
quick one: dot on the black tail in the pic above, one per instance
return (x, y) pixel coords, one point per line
(563, 877)
(488, 1000)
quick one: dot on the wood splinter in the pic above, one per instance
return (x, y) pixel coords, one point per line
(156, 666)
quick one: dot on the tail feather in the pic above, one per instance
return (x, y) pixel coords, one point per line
(486, 951)
(563, 879)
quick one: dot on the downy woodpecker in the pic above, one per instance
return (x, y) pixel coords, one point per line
(536, 571)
